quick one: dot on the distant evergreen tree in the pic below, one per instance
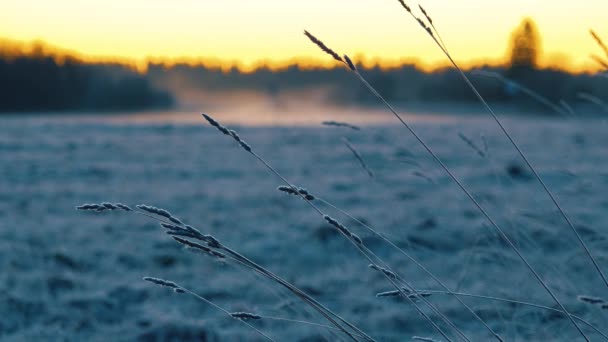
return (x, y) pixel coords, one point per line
(525, 46)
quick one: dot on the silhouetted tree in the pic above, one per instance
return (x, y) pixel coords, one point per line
(525, 46)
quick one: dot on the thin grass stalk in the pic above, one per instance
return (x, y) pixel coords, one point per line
(358, 156)
(528, 163)
(599, 42)
(567, 107)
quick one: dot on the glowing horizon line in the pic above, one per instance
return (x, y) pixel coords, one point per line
(27, 48)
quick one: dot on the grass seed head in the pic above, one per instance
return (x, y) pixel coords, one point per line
(323, 47)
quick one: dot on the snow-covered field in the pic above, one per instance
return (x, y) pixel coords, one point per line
(76, 276)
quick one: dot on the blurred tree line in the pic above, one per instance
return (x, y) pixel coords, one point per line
(40, 81)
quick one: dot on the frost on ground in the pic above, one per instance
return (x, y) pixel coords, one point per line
(76, 276)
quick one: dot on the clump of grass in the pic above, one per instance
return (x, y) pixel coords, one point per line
(463, 188)
(209, 245)
(518, 149)
(528, 164)
(466, 191)
(358, 243)
(218, 250)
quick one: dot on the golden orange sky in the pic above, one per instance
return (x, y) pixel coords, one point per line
(271, 30)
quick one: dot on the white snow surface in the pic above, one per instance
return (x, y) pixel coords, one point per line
(69, 275)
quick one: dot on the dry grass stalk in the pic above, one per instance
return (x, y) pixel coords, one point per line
(533, 94)
(593, 99)
(599, 42)
(424, 339)
(358, 156)
(600, 61)
(471, 144)
(567, 107)
(341, 124)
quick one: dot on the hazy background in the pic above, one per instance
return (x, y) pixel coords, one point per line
(150, 57)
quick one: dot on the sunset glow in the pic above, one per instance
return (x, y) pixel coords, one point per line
(248, 33)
